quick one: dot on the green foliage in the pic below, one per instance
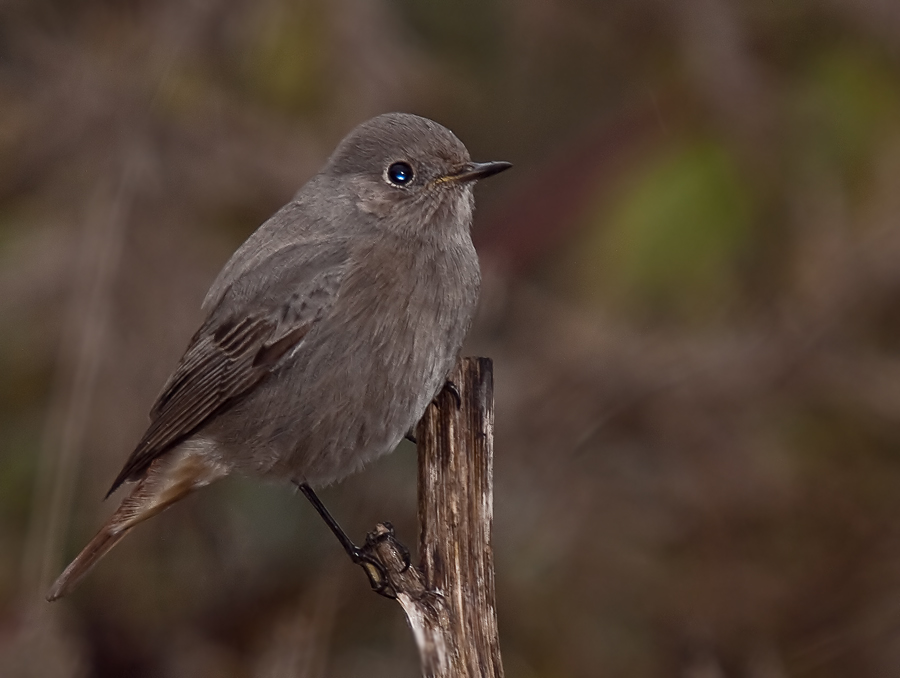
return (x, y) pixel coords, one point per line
(285, 63)
(847, 104)
(467, 31)
(669, 242)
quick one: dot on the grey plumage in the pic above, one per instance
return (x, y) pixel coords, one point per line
(327, 333)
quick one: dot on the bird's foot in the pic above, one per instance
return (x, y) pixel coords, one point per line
(372, 565)
(454, 391)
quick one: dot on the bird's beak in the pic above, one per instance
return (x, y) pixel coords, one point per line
(472, 171)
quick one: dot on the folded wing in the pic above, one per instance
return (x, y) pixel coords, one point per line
(260, 318)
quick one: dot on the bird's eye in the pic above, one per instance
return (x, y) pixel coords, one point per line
(400, 173)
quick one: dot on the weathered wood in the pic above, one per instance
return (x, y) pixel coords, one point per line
(449, 599)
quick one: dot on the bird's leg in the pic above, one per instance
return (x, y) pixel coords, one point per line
(371, 566)
(411, 435)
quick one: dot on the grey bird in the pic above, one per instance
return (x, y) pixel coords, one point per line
(327, 333)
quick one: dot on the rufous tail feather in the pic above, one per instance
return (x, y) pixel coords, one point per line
(85, 561)
(167, 480)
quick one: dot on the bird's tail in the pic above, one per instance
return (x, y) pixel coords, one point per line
(168, 479)
(104, 540)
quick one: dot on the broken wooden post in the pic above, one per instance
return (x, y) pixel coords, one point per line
(449, 598)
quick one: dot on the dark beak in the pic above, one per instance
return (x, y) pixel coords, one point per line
(478, 170)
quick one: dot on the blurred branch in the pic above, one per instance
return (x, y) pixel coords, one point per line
(449, 601)
(82, 346)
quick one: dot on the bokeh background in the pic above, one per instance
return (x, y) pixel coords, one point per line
(692, 298)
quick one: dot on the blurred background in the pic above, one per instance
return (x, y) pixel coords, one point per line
(692, 298)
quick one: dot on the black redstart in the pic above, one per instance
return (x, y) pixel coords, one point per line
(327, 333)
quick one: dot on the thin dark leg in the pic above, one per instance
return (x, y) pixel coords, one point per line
(342, 537)
(374, 570)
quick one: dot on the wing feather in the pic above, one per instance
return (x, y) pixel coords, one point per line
(212, 373)
(245, 336)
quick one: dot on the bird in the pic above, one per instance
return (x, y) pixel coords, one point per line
(327, 333)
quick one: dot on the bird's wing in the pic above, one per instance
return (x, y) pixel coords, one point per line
(264, 314)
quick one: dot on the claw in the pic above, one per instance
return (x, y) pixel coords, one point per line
(375, 571)
(378, 577)
(374, 537)
(372, 566)
(454, 389)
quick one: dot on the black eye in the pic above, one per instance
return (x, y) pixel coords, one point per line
(400, 173)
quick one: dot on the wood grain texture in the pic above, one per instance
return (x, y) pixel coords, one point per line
(449, 599)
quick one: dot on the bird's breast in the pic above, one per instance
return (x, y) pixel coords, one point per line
(365, 374)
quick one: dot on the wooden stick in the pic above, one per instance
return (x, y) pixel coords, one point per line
(449, 599)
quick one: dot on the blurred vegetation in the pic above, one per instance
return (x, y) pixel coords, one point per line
(692, 296)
